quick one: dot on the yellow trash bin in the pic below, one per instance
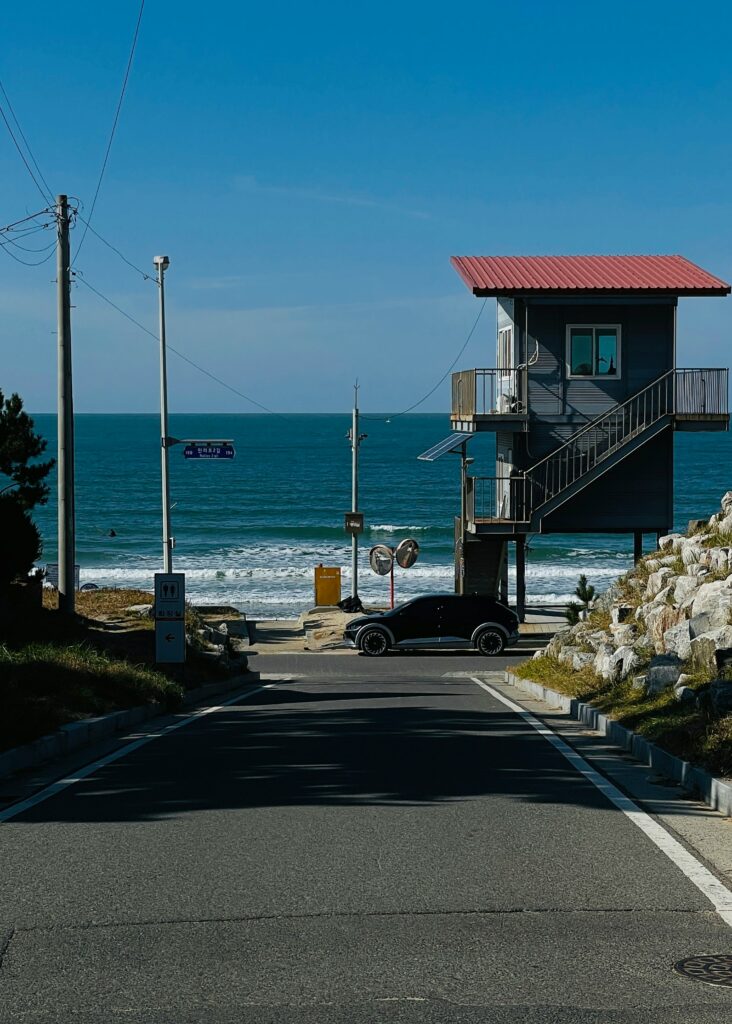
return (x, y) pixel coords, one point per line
(327, 584)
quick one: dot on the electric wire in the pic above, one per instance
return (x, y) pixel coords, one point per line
(431, 392)
(26, 263)
(114, 126)
(44, 197)
(143, 273)
(49, 193)
(202, 369)
(23, 220)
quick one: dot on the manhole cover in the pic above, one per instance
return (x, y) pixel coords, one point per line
(714, 970)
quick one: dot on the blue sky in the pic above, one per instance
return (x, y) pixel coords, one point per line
(311, 168)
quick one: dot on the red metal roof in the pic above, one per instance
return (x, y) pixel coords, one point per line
(504, 275)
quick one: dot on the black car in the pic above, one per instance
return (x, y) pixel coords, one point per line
(440, 620)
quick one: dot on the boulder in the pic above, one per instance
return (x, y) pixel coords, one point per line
(726, 502)
(712, 596)
(663, 671)
(141, 611)
(685, 588)
(684, 693)
(697, 525)
(639, 683)
(625, 634)
(709, 647)
(659, 619)
(677, 640)
(624, 662)
(658, 580)
(719, 559)
(566, 654)
(667, 543)
(604, 663)
(691, 552)
(696, 570)
(583, 659)
(652, 564)
(720, 695)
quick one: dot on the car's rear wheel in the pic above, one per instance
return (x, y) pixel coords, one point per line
(490, 642)
(374, 643)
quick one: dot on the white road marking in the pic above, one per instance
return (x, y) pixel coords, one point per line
(718, 894)
(89, 769)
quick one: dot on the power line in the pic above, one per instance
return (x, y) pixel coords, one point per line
(144, 274)
(185, 358)
(114, 125)
(49, 193)
(44, 197)
(24, 220)
(424, 398)
(27, 263)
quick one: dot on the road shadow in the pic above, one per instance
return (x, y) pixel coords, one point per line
(301, 745)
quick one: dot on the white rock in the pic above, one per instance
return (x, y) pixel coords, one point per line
(697, 570)
(658, 580)
(712, 596)
(659, 619)
(624, 662)
(667, 543)
(582, 660)
(685, 588)
(726, 502)
(621, 613)
(704, 648)
(663, 671)
(724, 525)
(624, 634)
(690, 552)
(677, 640)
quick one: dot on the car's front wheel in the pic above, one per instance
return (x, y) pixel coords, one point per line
(490, 642)
(374, 643)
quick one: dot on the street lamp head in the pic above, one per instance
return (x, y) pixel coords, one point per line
(161, 262)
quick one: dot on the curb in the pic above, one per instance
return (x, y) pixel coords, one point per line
(88, 731)
(714, 792)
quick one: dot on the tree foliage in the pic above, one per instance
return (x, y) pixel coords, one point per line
(572, 613)
(20, 445)
(20, 541)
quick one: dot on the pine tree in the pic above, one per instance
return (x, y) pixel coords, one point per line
(585, 592)
(20, 476)
(572, 613)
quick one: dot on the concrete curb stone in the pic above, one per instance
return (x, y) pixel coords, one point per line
(88, 731)
(715, 792)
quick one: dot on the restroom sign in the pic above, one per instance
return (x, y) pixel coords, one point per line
(170, 595)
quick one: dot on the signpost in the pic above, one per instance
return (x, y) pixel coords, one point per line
(353, 523)
(170, 614)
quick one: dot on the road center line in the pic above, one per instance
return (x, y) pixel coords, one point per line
(89, 769)
(718, 894)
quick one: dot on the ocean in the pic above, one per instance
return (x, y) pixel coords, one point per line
(249, 532)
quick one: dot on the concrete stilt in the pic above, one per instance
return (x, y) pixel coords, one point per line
(637, 546)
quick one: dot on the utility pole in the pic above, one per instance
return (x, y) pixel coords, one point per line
(65, 413)
(355, 438)
(161, 264)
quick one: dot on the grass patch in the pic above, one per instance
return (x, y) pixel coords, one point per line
(718, 540)
(549, 671)
(690, 732)
(45, 685)
(104, 603)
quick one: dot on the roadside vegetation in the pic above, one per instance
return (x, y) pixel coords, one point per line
(687, 730)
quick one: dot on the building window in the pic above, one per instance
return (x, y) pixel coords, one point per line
(593, 351)
(505, 351)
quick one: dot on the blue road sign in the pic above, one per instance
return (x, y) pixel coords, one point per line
(208, 451)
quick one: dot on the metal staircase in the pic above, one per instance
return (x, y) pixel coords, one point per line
(678, 397)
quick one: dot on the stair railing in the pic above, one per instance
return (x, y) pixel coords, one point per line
(597, 440)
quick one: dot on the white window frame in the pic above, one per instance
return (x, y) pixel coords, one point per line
(505, 371)
(592, 376)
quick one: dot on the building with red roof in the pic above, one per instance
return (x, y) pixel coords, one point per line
(584, 398)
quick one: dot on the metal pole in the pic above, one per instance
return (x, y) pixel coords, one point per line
(391, 581)
(162, 263)
(65, 412)
(355, 442)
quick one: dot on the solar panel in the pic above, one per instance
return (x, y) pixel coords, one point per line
(453, 443)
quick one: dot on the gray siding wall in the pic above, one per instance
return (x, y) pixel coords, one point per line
(635, 495)
(559, 406)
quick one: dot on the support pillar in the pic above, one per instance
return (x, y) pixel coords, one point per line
(503, 589)
(521, 578)
(637, 546)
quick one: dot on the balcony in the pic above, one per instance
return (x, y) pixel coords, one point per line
(497, 504)
(489, 399)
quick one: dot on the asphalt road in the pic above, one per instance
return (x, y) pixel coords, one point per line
(368, 841)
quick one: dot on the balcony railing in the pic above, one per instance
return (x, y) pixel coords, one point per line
(686, 393)
(492, 392)
(701, 392)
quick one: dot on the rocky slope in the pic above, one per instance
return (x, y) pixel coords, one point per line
(668, 622)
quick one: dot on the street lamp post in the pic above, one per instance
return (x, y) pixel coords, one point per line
(161, 264)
